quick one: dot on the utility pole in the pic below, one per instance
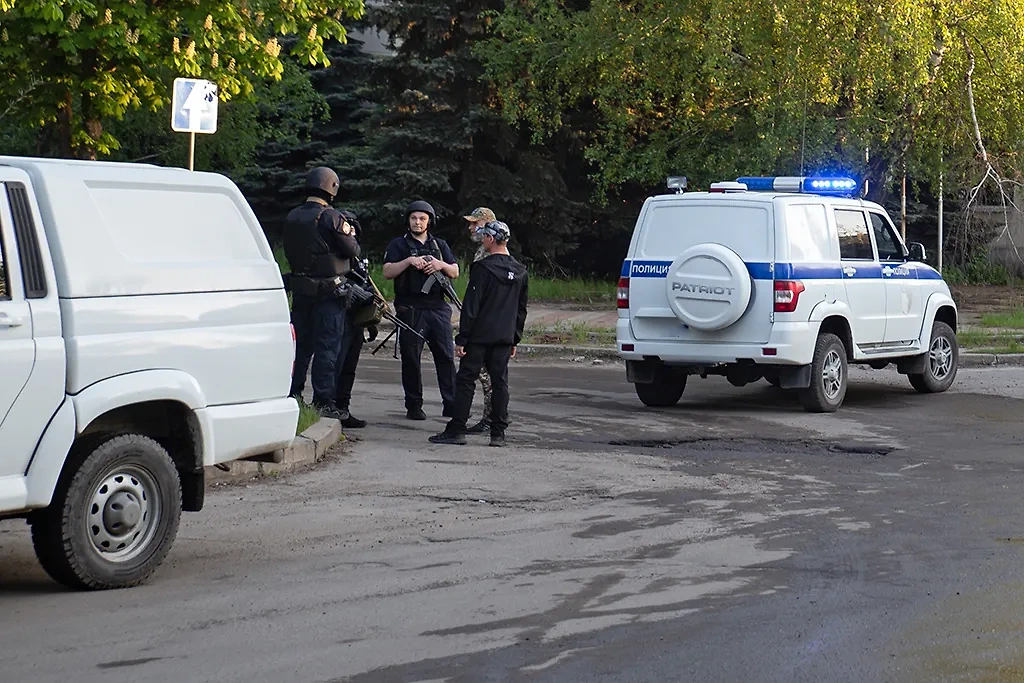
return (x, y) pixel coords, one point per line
(903, 205)
(941, 173)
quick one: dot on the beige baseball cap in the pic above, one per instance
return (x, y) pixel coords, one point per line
(481, 213)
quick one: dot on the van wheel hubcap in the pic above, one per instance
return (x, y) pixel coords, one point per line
(940, 358)
(832, 375)
(123, 514)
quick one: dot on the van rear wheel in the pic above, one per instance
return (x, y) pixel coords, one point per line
(661, 393)
(113, 520)
(828, 376)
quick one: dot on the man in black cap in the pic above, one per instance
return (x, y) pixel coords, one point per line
(320, 246)
(490, 328)
(411, 261)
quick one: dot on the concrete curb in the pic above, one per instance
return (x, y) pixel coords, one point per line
(577, 354)
(308, 448)
(982, 360)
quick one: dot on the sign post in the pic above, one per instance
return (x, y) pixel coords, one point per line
(193, 110)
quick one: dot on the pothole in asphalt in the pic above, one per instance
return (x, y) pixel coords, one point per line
(742, 444)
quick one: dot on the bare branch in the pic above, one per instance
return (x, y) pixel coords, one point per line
(13, 104)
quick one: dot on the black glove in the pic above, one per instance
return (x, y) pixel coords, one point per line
(371, 333)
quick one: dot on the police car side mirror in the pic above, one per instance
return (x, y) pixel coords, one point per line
(916, 251)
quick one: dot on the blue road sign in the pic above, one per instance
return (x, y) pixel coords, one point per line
(194, 106)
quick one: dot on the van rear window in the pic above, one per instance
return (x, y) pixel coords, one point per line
(671, 229)
(165, 225)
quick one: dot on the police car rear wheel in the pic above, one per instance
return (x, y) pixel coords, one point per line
(828, 376)
(661, 393)
(940, 362)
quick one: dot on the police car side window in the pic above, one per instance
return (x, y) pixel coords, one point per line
(885, 239)
(854, 240)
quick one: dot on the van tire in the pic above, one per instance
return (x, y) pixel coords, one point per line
(117, 483)
(940, 370)
(829, 376)
(661, 393)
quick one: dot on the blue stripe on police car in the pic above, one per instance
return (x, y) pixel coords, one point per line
(801, 271)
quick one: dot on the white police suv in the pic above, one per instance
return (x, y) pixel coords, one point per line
(789, 279)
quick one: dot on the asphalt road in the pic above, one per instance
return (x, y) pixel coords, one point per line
(732, 538)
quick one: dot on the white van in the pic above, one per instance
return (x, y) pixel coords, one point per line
(784, 279)
(144, 335)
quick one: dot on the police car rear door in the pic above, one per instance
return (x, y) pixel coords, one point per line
(702, 270)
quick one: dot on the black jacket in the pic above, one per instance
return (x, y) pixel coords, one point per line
(494, 310)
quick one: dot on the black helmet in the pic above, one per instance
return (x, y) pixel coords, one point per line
(421, 205)
(323, 179)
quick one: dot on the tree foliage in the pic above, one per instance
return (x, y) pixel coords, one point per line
(714, 89)
(76, 64)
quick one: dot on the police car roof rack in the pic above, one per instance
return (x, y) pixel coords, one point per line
(837, 186)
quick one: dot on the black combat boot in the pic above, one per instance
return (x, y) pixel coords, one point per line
(449, 438)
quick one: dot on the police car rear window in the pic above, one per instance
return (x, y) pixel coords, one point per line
(671, 229)
(807, 232)
(854, 242)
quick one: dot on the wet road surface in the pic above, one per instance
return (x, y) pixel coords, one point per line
(731, 538)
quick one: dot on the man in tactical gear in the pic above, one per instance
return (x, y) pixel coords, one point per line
(490, 328)
(480, 217)
(320, 246)
(417, 262)
(351, 342)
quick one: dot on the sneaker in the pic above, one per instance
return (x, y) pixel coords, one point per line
(415, 414)
(480, 427)
(497, 440)
(449, 438)
(353, 422)
(330, 411)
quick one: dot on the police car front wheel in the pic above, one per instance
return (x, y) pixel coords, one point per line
(940, 362)
(661, 393)
(828, 376)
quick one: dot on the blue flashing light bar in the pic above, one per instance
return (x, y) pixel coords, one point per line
(800, 184)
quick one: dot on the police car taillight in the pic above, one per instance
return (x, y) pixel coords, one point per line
(623, 292)
(787, 295)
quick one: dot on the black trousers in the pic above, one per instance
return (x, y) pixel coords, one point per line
(348, 359)
(495, 358)
(304, 321)
(436, 326)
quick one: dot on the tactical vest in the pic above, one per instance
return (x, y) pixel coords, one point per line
(307, 252)
(411, 280)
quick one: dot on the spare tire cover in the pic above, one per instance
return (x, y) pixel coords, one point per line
(708, 287)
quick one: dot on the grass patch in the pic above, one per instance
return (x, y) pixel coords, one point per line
(308, 416)
(1000, 342)
(572, 334)
(1013, 319)
(575, 290)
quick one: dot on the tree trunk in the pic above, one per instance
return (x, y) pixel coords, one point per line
(64, 126)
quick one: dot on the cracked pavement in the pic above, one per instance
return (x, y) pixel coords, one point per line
(733, 537)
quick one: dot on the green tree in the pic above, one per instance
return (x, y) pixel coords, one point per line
(714, 89)
(77, 64)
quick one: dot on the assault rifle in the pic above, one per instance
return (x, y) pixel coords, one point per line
(446, 285)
